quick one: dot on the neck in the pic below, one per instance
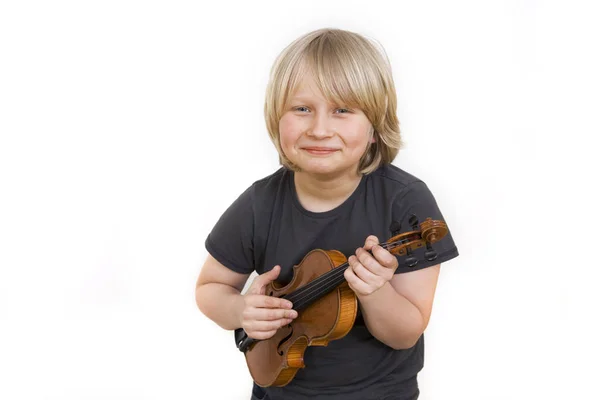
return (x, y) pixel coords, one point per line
(319, 193)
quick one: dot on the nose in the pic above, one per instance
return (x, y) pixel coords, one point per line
(320, 126)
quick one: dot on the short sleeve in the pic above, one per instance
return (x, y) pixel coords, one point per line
(418, 200)
(231, 240)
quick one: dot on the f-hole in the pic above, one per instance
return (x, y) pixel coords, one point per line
(285, 339)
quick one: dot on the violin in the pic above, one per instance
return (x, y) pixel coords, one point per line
(326, 305)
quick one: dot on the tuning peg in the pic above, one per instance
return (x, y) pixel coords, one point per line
(411, 260)
(414, 222)
(395, 228)
(430, 254)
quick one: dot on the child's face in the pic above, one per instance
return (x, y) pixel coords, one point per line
(322, 138)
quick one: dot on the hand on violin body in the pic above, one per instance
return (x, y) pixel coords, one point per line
(263, 315)
(368, 272)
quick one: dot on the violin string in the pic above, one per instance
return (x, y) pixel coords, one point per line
(308, 296)
(317, 287)
(331, 278)
(312, 291)
(327, 277)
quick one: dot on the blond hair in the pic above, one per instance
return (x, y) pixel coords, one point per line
(348, 69)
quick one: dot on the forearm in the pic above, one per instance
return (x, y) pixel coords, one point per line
(221, 303)
(392, 318)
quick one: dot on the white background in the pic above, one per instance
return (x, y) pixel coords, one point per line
(128, 127)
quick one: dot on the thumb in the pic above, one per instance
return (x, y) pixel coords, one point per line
(271, 275)
(264, 279)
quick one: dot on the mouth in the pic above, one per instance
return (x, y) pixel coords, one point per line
(319, 150)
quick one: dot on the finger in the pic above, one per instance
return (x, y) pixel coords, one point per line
(262, 280)
(384, 257)
(371, 241)
(355, 283)
(272, 314)
(363, 273)
(369, 262)
(262, 301)
(266, 319)
(261, 335)
(267, 326)
(270, 275)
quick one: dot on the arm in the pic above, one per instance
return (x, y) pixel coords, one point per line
(396, 307)
(398, 313)
(218, 293)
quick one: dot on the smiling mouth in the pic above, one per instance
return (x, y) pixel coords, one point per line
(319, 150)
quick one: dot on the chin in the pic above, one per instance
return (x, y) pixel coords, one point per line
(320, 168)
(331, 165)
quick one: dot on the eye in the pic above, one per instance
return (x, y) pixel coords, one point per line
(343, 110)
(301, 108)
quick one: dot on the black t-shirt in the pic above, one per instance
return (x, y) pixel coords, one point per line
(267, 226)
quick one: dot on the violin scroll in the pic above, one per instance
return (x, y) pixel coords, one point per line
(424, 234)
(433, 230)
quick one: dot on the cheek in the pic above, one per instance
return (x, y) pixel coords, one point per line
(357, 131)
(287, 132)
(359, 139)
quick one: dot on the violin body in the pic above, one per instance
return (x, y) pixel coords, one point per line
(275, 361)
